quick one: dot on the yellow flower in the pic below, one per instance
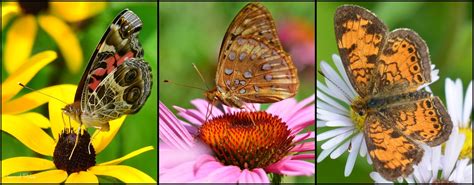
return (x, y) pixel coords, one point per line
(22, 33)
(25, 128)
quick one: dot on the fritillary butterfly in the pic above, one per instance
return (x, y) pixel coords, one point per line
(252, 66)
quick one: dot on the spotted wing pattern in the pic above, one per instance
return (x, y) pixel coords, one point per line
(253, 67)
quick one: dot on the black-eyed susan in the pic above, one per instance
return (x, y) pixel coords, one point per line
(52, 18)
(82, 167)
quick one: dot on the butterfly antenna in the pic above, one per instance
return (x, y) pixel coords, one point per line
(200, 75)
(184, 85)
(343, 92)
(38, 91)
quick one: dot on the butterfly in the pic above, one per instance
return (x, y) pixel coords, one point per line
(252, 65)
(117, 80)
(388, 71)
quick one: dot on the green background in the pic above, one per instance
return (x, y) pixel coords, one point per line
(138, 130)
(193, 32)
(447, 30)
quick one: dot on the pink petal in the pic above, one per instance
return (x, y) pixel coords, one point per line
(180, 173)
(224, 174)
(193, 116)
(303, 157)
(304, 147)
(203, 105)
(171, 131)
(290, 167)
(281, 108)
(299, 106)
(255, 176)
(302, 137)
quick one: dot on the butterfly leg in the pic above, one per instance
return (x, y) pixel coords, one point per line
(77, 140)
(90, 141)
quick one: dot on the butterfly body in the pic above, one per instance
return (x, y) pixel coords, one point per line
(117, 81)
(252, 66)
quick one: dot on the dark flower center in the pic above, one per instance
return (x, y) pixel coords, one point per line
(81, 160)
(247, 139)
(33, 7)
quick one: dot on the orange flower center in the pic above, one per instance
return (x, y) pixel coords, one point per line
(81, 159)
(247, 139)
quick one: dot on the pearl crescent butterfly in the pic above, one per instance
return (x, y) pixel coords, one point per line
(388, 70)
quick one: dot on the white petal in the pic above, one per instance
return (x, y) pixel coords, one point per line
(363, 148)
(324, 154)
(340, 150)
(330, 91)
(332, 133)
(339, 123)
(378, 178)
(467, 106)
(329, 100)
(329, 116)
(333, 77)
(335, 140)
(338, 62)
(356, 141)
(325, 106)
(320, 123)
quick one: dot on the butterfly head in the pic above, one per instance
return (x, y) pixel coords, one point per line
(73, 110)
(359, 106)
(212, 95)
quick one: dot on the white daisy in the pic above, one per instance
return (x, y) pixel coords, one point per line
(345, 130)
(455, 162)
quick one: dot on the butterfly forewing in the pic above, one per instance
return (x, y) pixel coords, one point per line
(253, 67)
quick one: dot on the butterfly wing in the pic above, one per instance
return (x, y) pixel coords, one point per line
(252, 63)
(424, 120)
(404, 64)
(360, 36)
(393, 154)
(117, 80)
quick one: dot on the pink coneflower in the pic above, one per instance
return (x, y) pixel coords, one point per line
(234, 145)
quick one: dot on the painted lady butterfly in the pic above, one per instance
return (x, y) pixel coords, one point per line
(117, 80)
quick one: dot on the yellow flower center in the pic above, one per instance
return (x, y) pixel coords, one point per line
(466, 151)
(247, 139)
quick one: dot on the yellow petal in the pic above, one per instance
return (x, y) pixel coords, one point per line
(34, 99)
(25, 73)
(28, 133)
(8, 11)
(51, 176)
(128, 156)
(102, 139)
(25, 164)
(76, 11)
(125, 174)
(56, 117)
(66, 40)
(82, 177)
(20, 39)
(37, 119)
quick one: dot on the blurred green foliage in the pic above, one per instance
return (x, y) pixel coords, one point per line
(138, 130)
(193, 33)
(447, 30)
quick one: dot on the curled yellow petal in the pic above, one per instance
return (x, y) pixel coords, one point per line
(26, 72)
(25, 164)
(125, 174)
(28, 133)
(76, 11)
(66, 40)
(35, 99)
(102, 139)
(128, 156)
(51, 176)
(82, 177)
(36, 118)
(8, 11)
(20, 39)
